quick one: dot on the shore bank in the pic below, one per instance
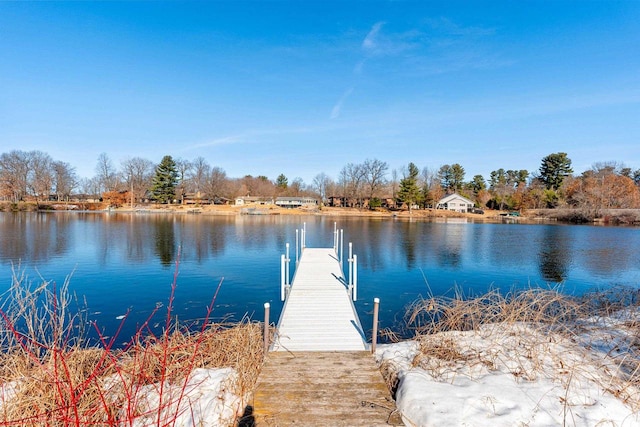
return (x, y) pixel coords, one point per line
(255, 209)
(564, 215)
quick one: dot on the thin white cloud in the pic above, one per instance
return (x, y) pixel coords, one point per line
(378, 44)
(359, 67)
(369, 42)
(227, 140)
(446, 26)
(337, 108)
(255, 136)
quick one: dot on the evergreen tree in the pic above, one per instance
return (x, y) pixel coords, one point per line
(477, 184)
(457, 176)
(282, 182)
(409, 191)
(554, 169)
(451, 177)
(163, 185)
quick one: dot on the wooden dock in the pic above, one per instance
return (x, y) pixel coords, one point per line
(318, 314)
(322, 389)
(318, 372)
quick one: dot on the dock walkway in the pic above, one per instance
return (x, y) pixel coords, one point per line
(318, 372)
(322, 389)
(318, 314)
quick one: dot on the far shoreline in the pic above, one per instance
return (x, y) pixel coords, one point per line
(531, 216)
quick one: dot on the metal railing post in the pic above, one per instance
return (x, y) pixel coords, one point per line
(341, 247)
(374, 334)
(266, 328)
(287, 261)
(354, 282)
(350, 269)
(296, 248)
(282, 262)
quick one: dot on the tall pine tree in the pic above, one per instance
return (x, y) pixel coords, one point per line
(554, 169)
(163, 186)
(409, 191)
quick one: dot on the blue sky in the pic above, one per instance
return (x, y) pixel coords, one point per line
(305, 87)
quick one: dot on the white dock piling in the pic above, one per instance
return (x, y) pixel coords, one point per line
(266, 328)
(355, 277)
(282, 282)
(287, 262)
(374, 333)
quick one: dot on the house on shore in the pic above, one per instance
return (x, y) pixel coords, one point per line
(253, 200)
(296, 202)
(455, 202)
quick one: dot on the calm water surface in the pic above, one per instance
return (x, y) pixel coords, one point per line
(121, 262)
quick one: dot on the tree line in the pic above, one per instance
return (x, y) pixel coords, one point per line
(35, 175)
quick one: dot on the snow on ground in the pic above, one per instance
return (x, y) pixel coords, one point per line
(510, 374)
(207, 399)
(517, 375)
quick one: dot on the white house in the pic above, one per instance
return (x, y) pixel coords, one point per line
(455, 202)
(295, 202)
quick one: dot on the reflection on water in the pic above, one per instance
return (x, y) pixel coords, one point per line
(165, 247)
(32, 236)
(555, 253)
(122, 261)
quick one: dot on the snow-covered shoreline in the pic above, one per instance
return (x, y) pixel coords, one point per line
(584, 373)
(515, 374)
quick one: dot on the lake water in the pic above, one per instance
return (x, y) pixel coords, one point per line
(122, 261)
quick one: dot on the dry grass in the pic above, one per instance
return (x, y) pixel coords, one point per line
(50, 377)
(521, 333)
(459, 313)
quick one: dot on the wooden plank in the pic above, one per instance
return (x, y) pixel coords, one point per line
(318, 314)
(322, 389)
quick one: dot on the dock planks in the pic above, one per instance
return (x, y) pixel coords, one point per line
(318, 372)
(318, 314)
(322, 389)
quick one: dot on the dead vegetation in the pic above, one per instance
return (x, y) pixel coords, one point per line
(531, 333)
(50, 376)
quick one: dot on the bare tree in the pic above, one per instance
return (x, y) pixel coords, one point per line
(296, 186)
(106, 174)
(40, 175)
(374, 172)
(394, 184)
(432, 190)
(199, 174)
(217, 184)
(65, 180)
(256, 186)
(138, 173)
(14, 175)
(90, 187)
(343, 185)
(321, 183)
(354, 175)
(183, 167)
